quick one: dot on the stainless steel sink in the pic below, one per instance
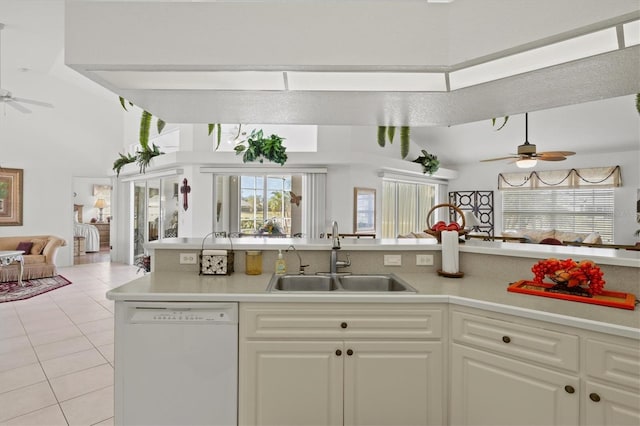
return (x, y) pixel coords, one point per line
(376, 283)
(302, 283)
(384, 283)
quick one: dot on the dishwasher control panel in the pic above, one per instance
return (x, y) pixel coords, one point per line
(154, 315)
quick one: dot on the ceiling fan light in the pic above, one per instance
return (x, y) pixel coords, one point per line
(526, 163)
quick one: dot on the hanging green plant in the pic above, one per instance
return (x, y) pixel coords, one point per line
(493, 122)
(388, 132)
(259, 148)
(122, 161)
(404, 141)
(382, 136)
(143, 158)
(430, 162)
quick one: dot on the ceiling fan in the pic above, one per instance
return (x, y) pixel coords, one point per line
(8, 99)
(527, 156)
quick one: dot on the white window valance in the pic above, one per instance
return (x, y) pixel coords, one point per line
(602, 177)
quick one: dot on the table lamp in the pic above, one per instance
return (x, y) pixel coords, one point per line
(100, 204)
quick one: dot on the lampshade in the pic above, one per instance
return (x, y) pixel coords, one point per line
(526, 163)
(100, 203)
(471, 220)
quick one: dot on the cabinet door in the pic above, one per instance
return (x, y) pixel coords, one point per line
(609, 406)
(488, 389)
(393, 383)
(290, 383)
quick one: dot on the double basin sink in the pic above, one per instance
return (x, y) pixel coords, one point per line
(377, 283)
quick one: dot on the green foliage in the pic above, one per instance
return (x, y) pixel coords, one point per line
(493, 122)
(430, 162)
(638, 103)
(143, 158)
(4, 189)
(211, 127)
(145, 125)
(259, 148)
(382, 130)
(160, 125)
(121, 161)
(404, 141)
(388, 132)
(391, 132)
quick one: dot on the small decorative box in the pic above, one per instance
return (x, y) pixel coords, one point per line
(216, 262)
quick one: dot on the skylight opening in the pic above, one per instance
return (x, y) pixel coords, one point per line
(195, 80)
(367, 81)
(534, 59)
(631, 32)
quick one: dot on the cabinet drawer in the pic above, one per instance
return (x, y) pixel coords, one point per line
(527, 342)
(613, 362)
(400, 321)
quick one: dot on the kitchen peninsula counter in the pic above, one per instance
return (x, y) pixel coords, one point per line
(472, 291)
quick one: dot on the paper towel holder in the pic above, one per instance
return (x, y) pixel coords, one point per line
(450, 274)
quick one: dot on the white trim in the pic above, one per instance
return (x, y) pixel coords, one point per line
(248, 171)
(153, 175)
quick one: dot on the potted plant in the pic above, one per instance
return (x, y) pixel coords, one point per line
(430, 162)
(258, 148)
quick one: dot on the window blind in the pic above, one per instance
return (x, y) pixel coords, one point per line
(568, 210)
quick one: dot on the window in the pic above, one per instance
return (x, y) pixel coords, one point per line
(265, 204)
(405, 206)
(568, 210)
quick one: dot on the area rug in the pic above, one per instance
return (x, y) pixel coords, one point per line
(11, 290)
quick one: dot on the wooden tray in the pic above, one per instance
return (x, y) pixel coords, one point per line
(450, 274)
(607, 298)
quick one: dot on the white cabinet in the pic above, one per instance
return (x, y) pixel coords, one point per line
(507, 370)
(612, 391)
(347, 364)
(488, 389)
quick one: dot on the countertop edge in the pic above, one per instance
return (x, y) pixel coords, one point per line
(598, 326)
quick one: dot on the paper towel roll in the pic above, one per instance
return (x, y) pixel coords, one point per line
(450, 255)
(214, 252)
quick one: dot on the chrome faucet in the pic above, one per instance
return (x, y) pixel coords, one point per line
(335, 263)
(334, 234)
(301, 269)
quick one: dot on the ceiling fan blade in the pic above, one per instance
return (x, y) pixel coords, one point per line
(557, 153)
(551, 158)
(17, 106)
(500, 158)
(32, 102)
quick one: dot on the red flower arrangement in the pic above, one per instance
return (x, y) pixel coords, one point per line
(575, 277)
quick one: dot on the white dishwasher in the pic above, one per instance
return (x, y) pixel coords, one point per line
(176, 363)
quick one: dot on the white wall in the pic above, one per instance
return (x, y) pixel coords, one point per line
(484, 177)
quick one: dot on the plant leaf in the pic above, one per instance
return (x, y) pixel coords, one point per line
(122, 102)
(210, 128)
(391, 132)
(145, 125)
(219, 136)
(381, 135)
(493, 122)
(160, 125)
(404, 141)
(638, 102)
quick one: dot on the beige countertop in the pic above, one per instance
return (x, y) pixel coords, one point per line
(479, 292)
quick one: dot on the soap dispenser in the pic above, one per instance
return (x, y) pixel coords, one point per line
(281, 266)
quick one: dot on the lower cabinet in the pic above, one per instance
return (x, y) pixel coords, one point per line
(366, 380)
(506, 370)
(488, 389)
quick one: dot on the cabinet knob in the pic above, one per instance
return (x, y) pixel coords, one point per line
(349, 352)
(506, 339)
(338, 352)
(569, 389)
(343, 325)
(594, 397)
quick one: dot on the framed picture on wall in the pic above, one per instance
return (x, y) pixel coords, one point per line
(364, 210)
(102, 191)
(11, 197)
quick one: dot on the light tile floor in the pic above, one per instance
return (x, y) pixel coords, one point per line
(56, 351)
